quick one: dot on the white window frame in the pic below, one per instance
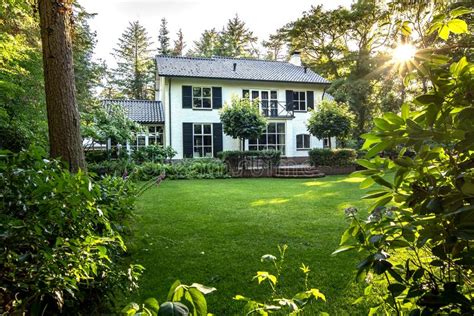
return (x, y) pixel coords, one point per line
(272, 106)
(279, 146)
(299, 101)
(326, 143)
(202, 135)
(201, 98)
(303, 142)
(146, 135)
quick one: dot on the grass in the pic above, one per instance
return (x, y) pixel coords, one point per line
(215, 231)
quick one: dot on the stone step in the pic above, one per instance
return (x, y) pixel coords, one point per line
(302, 176)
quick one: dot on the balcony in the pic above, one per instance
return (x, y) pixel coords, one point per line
(276, 109)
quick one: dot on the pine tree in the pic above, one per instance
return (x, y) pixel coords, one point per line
(275, 46)
(208, 44)
(134, 72)
(179, 44)
(237, 40)
(164, 39)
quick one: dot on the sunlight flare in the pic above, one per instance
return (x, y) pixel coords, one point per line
(404, 53)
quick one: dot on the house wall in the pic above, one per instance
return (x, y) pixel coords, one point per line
(175, 115)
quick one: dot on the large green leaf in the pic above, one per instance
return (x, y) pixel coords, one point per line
(457, 26)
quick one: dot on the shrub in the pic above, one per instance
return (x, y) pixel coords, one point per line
(148, 171)
(59, 247)
(236, 158)
(153, 154)
(332, 157)
(116, 167)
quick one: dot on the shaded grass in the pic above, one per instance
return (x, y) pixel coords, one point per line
(215, 231)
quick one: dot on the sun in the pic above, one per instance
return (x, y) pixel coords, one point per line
(403, 53)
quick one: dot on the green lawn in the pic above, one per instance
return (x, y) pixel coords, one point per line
(215, 231)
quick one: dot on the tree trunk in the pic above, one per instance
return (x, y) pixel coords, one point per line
(63, 116)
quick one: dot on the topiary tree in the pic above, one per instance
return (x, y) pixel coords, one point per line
(330, 120)
(242, 119)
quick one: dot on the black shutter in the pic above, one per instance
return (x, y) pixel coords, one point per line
(217, 138)
(187, 97)
(289, 100)
(310, 99)
(187, 140)
(216, 97)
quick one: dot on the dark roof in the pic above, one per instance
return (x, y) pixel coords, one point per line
(245, 69)
(141, 111)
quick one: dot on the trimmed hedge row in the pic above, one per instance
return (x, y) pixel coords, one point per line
(332, 157)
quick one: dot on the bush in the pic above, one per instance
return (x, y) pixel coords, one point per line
(332, 157)
(117, 167)
(60, 250)
(186, 169)
(153, 154)
(235, 158)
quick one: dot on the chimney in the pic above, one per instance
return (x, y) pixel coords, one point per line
(235, 66)
(295, 58)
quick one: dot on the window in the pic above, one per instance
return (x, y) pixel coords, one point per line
(326, 143)
(202, 140)
(302, 142)
(272, 139)
(268, 100)
(153, 135)
(299, 100)
(202, 98)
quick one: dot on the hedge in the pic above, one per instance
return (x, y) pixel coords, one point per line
(234, 157)
(332, 157)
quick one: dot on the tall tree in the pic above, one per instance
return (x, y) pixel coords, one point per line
(179, 44)
(63, 115)
(208, 44)
(164, 39)
(275, 46)
(237, 40)
(134, 72)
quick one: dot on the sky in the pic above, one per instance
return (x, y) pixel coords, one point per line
(263, 17)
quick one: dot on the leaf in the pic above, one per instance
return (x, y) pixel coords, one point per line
(457, 68)
(199, 301)
(367, 183)
(382, 181)
(443, 32)
(202, 288)
(406, 29)
(365, 163)
(342, 249)
(373, 311)
(317, 294)
(405, 110)
(396, 288)
(130, 309)
(457, 26)
(374, 150)
(459, 11)
(152, 305)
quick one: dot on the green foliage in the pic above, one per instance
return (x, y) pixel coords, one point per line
(164, 38)
(332, 157)
(102, 123)
(330, 120)
(275, 302)
(154, 154)
(121, 167)
(182, 299)
(421, 246)
(242, 119)
(60, 246)
(235, 158)
(134, 75)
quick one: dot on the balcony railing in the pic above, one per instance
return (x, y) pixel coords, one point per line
(276, 109)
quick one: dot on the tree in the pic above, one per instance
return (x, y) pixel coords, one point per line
(164, 39)
(242, 119)
(63, 115)
(417, 241)
(208, 44)
(237, 40)
(330, 120)
(179, 44)
(134, 72)
(275, 46)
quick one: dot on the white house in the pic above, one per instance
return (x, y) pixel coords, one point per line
(191, 90)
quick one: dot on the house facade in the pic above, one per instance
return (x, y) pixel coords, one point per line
(191, 91)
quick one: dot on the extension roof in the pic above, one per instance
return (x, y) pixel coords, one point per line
(245, 69)
(140, 111)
